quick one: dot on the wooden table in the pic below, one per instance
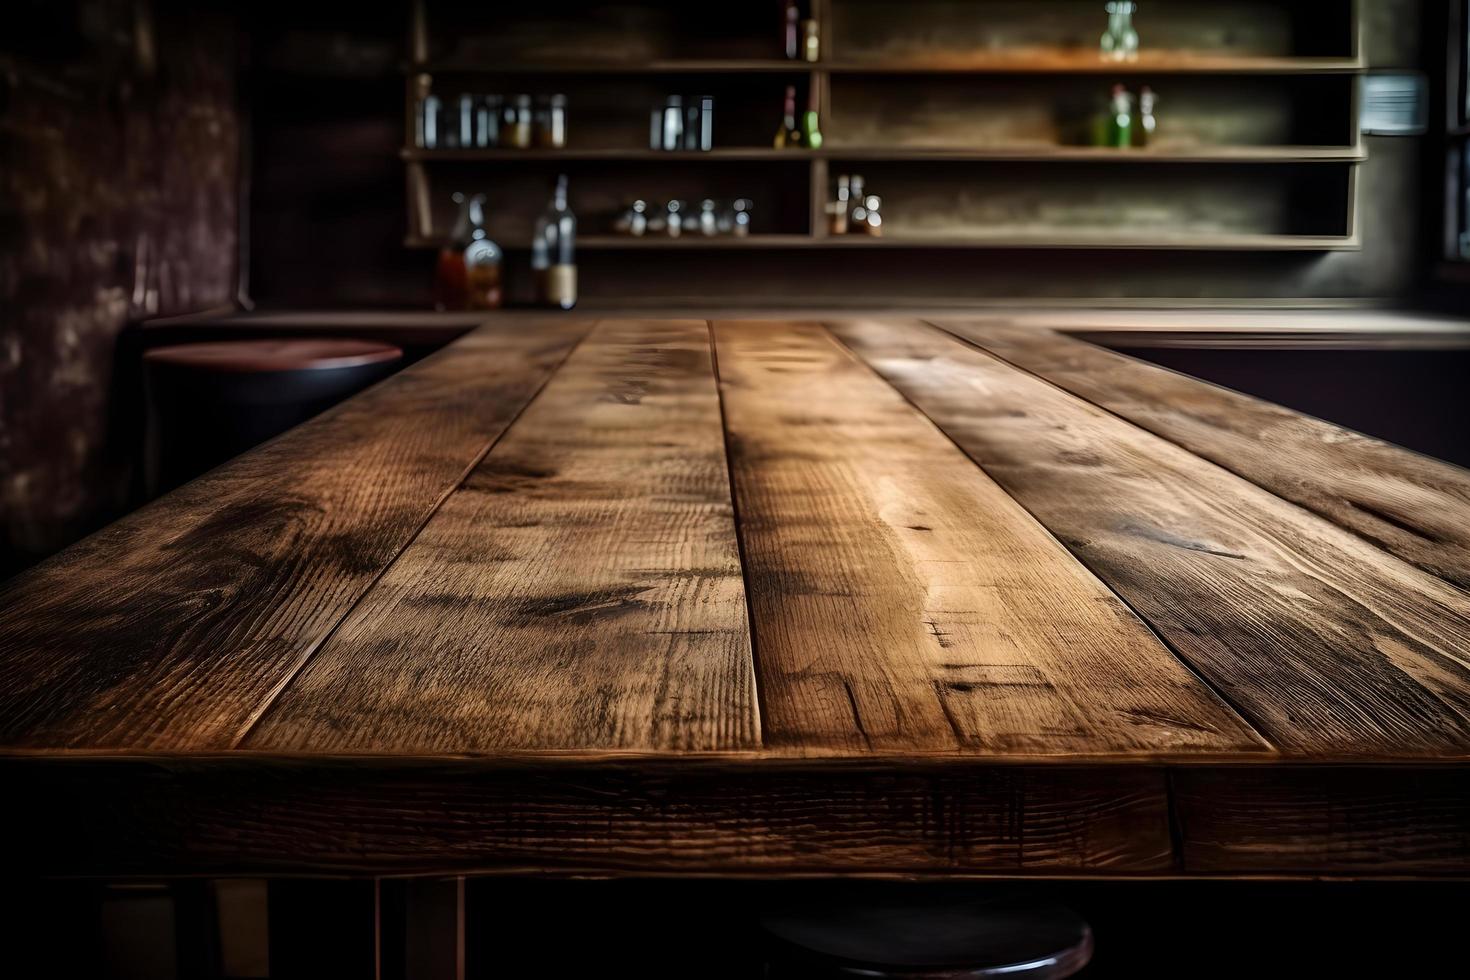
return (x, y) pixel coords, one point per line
(667, 596)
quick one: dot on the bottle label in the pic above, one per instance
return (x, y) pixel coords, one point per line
(561, 285)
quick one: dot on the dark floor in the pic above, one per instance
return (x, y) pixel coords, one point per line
(1143, 929)
(659, 929)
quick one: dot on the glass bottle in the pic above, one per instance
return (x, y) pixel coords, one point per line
(709, 219)
(634, 220)
(1120, 118)
(482, 263)
(450, 283)
(706, 141)
(788, 136)
(811, 130)
(673, 220)
(856, 213)
(551, 123)
(811, 43)
(791, 30)
(518, 117)
(429, 112)
(1143, 132)
(741, 221)
(553, 252)
(838, 211)
(872, 217)
(1120, 40)
(487, 121)
(466, 121)
(691, 124)
(673, 123)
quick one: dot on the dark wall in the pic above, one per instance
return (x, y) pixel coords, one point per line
(118, 164)
(326, 96)
(330, 216)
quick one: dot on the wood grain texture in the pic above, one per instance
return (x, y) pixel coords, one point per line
(901, 600)
(1324, 820)
(169, 629)
(581, 589)
(1329, 646)
(258, 816)
(1412, 506)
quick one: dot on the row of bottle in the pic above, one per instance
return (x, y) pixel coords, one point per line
(469, 274)
(675, 218)
(801, 39)
(1128, 124)
(1120, 41)
(683, 123)
(475, 121)
(853, 211)
(807, 134)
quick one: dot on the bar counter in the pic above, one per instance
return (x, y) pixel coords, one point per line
(673, 596)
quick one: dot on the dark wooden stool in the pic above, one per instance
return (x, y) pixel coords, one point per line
(909, 933)
(208, 402)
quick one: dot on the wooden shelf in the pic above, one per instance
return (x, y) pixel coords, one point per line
(1076, 240)
(1224, 242)
(865, 99)
(692, 66)
(1035, 153)
(1093, 154)
(1081, 61)
(611, 153)
(658, 241)
(1088, 62)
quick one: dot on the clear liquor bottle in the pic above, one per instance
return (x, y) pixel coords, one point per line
(553, 251)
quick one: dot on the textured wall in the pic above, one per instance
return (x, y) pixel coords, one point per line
(118, 153)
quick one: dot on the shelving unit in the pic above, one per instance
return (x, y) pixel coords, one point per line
(1032, 153)
(1227, 243)
(922, 100)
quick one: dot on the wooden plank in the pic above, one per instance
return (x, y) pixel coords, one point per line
(581, 590)
(679, 816)
(1324, 820)
(1413, 506)
(171, 628)
(1330, 647)
(900, 600)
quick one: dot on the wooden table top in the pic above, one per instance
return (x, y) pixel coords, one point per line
(863, 596)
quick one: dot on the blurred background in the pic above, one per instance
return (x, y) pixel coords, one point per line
(165, 159)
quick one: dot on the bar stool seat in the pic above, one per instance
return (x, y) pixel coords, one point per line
(210, 401)
(945, 935)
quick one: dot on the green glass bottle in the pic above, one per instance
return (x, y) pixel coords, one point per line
(1120, 118)
(811, 130)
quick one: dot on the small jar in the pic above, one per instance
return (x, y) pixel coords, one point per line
(517, 129)
(465, 121)
(741, 220)
(811, 44)
(705, 140)
(709, 219)
(551, 123)
(487, 121)
(673, 123)
(633, 221)
(872, 217)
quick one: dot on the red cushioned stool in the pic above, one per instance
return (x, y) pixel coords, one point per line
(211, 401)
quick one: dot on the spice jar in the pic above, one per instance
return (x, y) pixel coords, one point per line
(741, 208)
(551, 123)
(516, 130)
